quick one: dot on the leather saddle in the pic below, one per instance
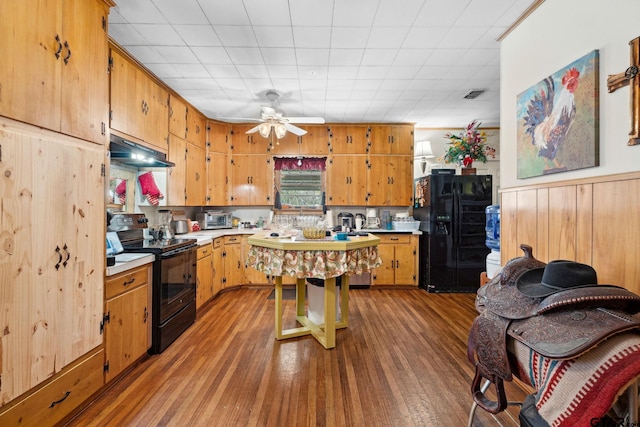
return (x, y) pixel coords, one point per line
(562, 325)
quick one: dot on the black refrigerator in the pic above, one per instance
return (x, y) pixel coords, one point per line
(451, 209)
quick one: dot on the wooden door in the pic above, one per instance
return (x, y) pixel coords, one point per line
(405, 271)
(261, 180)
(287, 146)
(402, 140)
(233, 263)
(196, 177)
(251, 180)
(126, 331)
(400, 189)
(244, 143)
(196, 128)
(384, 275)
(252, 276)
(85, 91)
(53, 308)
(380, 139)
(358, 180)
(177, 175)
(204, 279)
(316, 141)
(30, 71)
(177, 116)
(337, 176)
(217, 179)
(219, 137)
(378, 180)
(240, 172)
(156, 115)
(218, 266)
(348, 139)
(124, 100)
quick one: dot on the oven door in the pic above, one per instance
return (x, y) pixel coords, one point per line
(177, 281)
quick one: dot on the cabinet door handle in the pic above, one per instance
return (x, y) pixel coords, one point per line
(397, 264)
(59, 47)
(59, 251)
(145, 316)
(66, 261)
(55, 402)
(66, 58)
(128, 282)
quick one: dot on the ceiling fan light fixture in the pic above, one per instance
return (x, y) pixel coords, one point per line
(264, 129)
(280, 130)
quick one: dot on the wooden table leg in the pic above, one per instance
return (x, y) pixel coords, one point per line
(344, 303)
(278, 300)
(300, 297)
(329, 313)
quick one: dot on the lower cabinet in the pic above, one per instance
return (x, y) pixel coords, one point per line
(204, 275)
(59, 397)
(399, 254)
(127, 319)
(251, 275)
(218, 265)
(233, 262)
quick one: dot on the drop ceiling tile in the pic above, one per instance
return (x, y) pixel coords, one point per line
(225, 71)
(392, 14)
(387, 37)
(160, 35)
(446, 56)
(178, 55)
(279, 56)
(345, 57)
(424, 37)
(273, 36)
(367, 84)
(387, 95)
(283, 71)
(164, 71)
(146, 54)
(182, 12)
(212, 55)
(312, 85)
(440, 13)
(461, 72)
(392, 84)
(192, 70)
(349, 37)
(314, 95)
(231, 84)
(126, 34)
(236, 35)
(314, 14)
(415, 95)
(285, 85)
(338, 95)
(462, 37)
(412, 57)
(115, 17)
(225, 12)
(272, 12)
(198, 35)
(253, 71)
(314, 37)
(257, 85)
(312, 56)
(343, 85)
(379, 56)
(181, 84)
(140, 12)
(340, 72)
(315, 72)
(245, 55)
(401, 72)
(355, 13)
(372, 72)
(479, 57)
(432, 72)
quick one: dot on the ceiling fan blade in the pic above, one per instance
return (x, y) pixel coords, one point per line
(294, 129)
(268, 111)
(237, 119)
(254, 130)
(302, 120)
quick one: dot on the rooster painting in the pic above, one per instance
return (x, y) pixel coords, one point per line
(549, 111)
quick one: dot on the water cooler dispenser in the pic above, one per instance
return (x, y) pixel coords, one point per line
(492, 241)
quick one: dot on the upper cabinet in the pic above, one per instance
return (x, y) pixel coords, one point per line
(247, 143)
(139, 105)
(348, 139)
(196, 128)
(177, 117)
(219, 137)
(54, 72)
(391, 139)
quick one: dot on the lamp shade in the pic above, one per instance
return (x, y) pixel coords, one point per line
(264, 129)
(423, 150)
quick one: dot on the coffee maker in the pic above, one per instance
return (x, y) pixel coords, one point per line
(164, 225)
(372, 220)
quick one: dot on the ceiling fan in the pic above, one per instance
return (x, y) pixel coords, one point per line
(274, 120)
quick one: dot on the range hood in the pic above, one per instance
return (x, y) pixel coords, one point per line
(130, 153)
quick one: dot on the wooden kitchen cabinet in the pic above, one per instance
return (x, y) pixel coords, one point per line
(60, 260)
(177, 117)
(251, 180)
(349, 139)
(390, 181)
(233, 261)
(176, 175)
(204, 275)
(54, 72)
(196, 176)
(247, 143)
(196, 128)
(126, 320)
(287, 146)
(391, 139)
(218, 265)
(347, 180)
(139, 105)
(219, 137)
(399, 254)
(217, 179)
(251, 275)
(312, 144)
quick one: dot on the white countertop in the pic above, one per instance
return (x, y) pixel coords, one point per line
(128, 261)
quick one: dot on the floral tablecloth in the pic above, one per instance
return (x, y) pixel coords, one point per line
(321, 264)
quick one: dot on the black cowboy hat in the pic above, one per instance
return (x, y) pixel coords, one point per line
(556, 276)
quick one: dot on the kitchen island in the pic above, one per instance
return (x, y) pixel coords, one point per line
(313, 258)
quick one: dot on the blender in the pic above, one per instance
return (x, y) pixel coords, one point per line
(164, 226)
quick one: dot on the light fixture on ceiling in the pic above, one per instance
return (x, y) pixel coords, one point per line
(280, 129)
(473, 94)
(423, 152)
(264, 129)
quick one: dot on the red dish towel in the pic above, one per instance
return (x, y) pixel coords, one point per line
(121, 191)
(149, 188)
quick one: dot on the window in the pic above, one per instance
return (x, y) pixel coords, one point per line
(300, 183)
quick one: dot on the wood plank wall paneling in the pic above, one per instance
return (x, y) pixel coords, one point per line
(594, 220)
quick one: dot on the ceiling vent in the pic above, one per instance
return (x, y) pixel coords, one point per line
(473, 94)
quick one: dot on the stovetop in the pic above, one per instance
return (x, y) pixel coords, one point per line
(158, 246)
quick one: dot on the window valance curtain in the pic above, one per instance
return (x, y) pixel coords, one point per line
(303, 164)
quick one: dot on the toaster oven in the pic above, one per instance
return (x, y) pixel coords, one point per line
(213, 220)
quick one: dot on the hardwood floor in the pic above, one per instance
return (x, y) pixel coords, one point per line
(401, 362)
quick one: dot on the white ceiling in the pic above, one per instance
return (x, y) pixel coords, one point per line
(344, 60)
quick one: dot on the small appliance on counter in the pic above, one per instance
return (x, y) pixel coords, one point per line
(372, 221)
(212, 220)
(164, 227)
(180, 223)
(346, 219)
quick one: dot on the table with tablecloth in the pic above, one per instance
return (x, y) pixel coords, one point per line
(325, 259)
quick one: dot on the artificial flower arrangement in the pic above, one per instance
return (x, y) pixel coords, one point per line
(468, 146)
